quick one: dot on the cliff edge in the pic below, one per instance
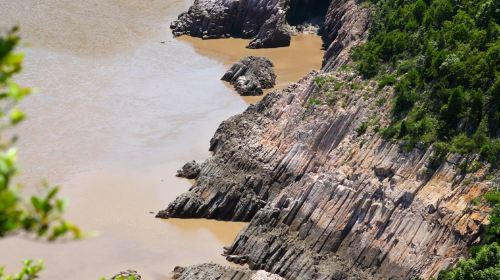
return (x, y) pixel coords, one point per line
(326, 196)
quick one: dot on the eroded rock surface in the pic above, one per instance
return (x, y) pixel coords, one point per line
(325, 199)
(251, 75)
(346, 26)
(274, 33)
(211, 19)
(327, 203)
(211, 271)
(190, 170)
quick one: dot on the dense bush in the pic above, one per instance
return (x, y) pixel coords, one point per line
(446, 54)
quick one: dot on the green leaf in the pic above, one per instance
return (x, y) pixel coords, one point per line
(16, 116)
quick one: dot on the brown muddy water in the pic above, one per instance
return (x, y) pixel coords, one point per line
(290, 64)
(120, 106)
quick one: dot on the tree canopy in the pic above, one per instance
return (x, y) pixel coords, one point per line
(445, 55)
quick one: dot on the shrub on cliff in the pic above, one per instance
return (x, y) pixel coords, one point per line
(447, 56)
(483, 265)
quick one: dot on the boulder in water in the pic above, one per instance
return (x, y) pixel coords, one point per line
(251, 75)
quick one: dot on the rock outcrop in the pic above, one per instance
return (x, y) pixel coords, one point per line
(267, 22)
(326, 197)
(190, 170)
(251, 75)
(210, 19)
(346, 26)
(213, 271)
(326, 201)
(274, 33)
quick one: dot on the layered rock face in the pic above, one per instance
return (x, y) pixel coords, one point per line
(346, 26)
(328, 199)
(251, 75)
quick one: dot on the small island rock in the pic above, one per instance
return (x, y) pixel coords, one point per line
(251, 75)
(190, 170)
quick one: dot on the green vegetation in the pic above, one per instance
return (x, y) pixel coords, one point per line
(484, 264)
(386, 80)
(331, 87)
(321, 81)
(443, 58)
(313, 102)
(29, 271)
(39, 215)
(362, 128)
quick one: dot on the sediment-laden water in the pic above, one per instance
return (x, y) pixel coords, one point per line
(120, 106)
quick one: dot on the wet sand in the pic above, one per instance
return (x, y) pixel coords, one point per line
(121, 105)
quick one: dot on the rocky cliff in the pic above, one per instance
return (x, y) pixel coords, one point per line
(268, 22)
(211, 19)
(326, 197)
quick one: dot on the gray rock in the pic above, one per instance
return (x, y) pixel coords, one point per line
(273, 34)
(209, 19)
(190, 170)
(324, 203)
(346, 26)
(251, 75)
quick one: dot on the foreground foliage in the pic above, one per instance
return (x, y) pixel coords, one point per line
(443, 57)
(41, 215)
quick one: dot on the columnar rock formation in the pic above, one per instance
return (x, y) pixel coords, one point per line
(326, 197)
(346, 25)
